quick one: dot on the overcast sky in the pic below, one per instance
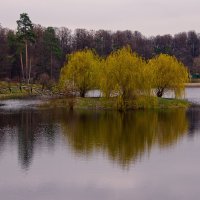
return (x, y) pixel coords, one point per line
(150, 17)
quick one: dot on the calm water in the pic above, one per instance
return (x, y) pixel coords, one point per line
(54, 154)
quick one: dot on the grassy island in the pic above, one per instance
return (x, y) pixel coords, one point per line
(111, 104)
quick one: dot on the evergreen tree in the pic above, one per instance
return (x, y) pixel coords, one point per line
(52, 46)
(25, 36)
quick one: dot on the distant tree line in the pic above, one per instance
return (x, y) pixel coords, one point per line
(32, 50)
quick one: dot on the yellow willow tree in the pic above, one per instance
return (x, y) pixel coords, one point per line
(124, 74)
(80, 72)
(169, 74)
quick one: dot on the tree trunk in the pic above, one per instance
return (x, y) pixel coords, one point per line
(22, 65)
(82, 93)
(26, 44)
(160, 92)
(51, 65)
(29, 74)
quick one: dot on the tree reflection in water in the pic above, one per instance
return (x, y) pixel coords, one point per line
(26, 128)
(124, 137)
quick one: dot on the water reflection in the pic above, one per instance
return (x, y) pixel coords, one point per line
(124, 138)
(194, 120)
(26, 128)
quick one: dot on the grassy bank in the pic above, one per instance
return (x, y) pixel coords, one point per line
(19, 91)
(15, 96)
(24, 91)
(172, 103)
(111, 104)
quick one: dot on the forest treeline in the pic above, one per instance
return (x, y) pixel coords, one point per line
(44, 50)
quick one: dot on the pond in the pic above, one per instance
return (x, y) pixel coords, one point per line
(53, 154)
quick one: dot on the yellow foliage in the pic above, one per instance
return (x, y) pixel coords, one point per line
(126, 75)
(169, 74)
(81, 71)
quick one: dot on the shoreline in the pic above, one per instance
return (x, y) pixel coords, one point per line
(111, 104)
(192, 85)
(98, 103)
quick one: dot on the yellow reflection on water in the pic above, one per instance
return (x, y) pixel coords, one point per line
(124, 137)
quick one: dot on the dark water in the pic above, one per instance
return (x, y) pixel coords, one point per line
(53, 154)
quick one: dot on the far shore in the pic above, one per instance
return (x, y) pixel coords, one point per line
(190, 85)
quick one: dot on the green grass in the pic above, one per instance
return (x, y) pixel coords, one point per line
(81, 103)
(13, 91)
(142, 102)
(172, 103)
(111, 104)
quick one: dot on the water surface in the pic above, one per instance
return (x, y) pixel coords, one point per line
(55, 154)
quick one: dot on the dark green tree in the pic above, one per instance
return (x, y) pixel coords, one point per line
(4, 68)
(14, 51)
(26, 36)
(193, 43)
(52, 46)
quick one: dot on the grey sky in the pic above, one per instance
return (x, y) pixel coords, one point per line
(151, 17)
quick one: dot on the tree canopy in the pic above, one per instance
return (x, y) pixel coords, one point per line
(25, 35)
(52, 47)
(80, 71)
(125, 75)
(169, 74)
(25, 28)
